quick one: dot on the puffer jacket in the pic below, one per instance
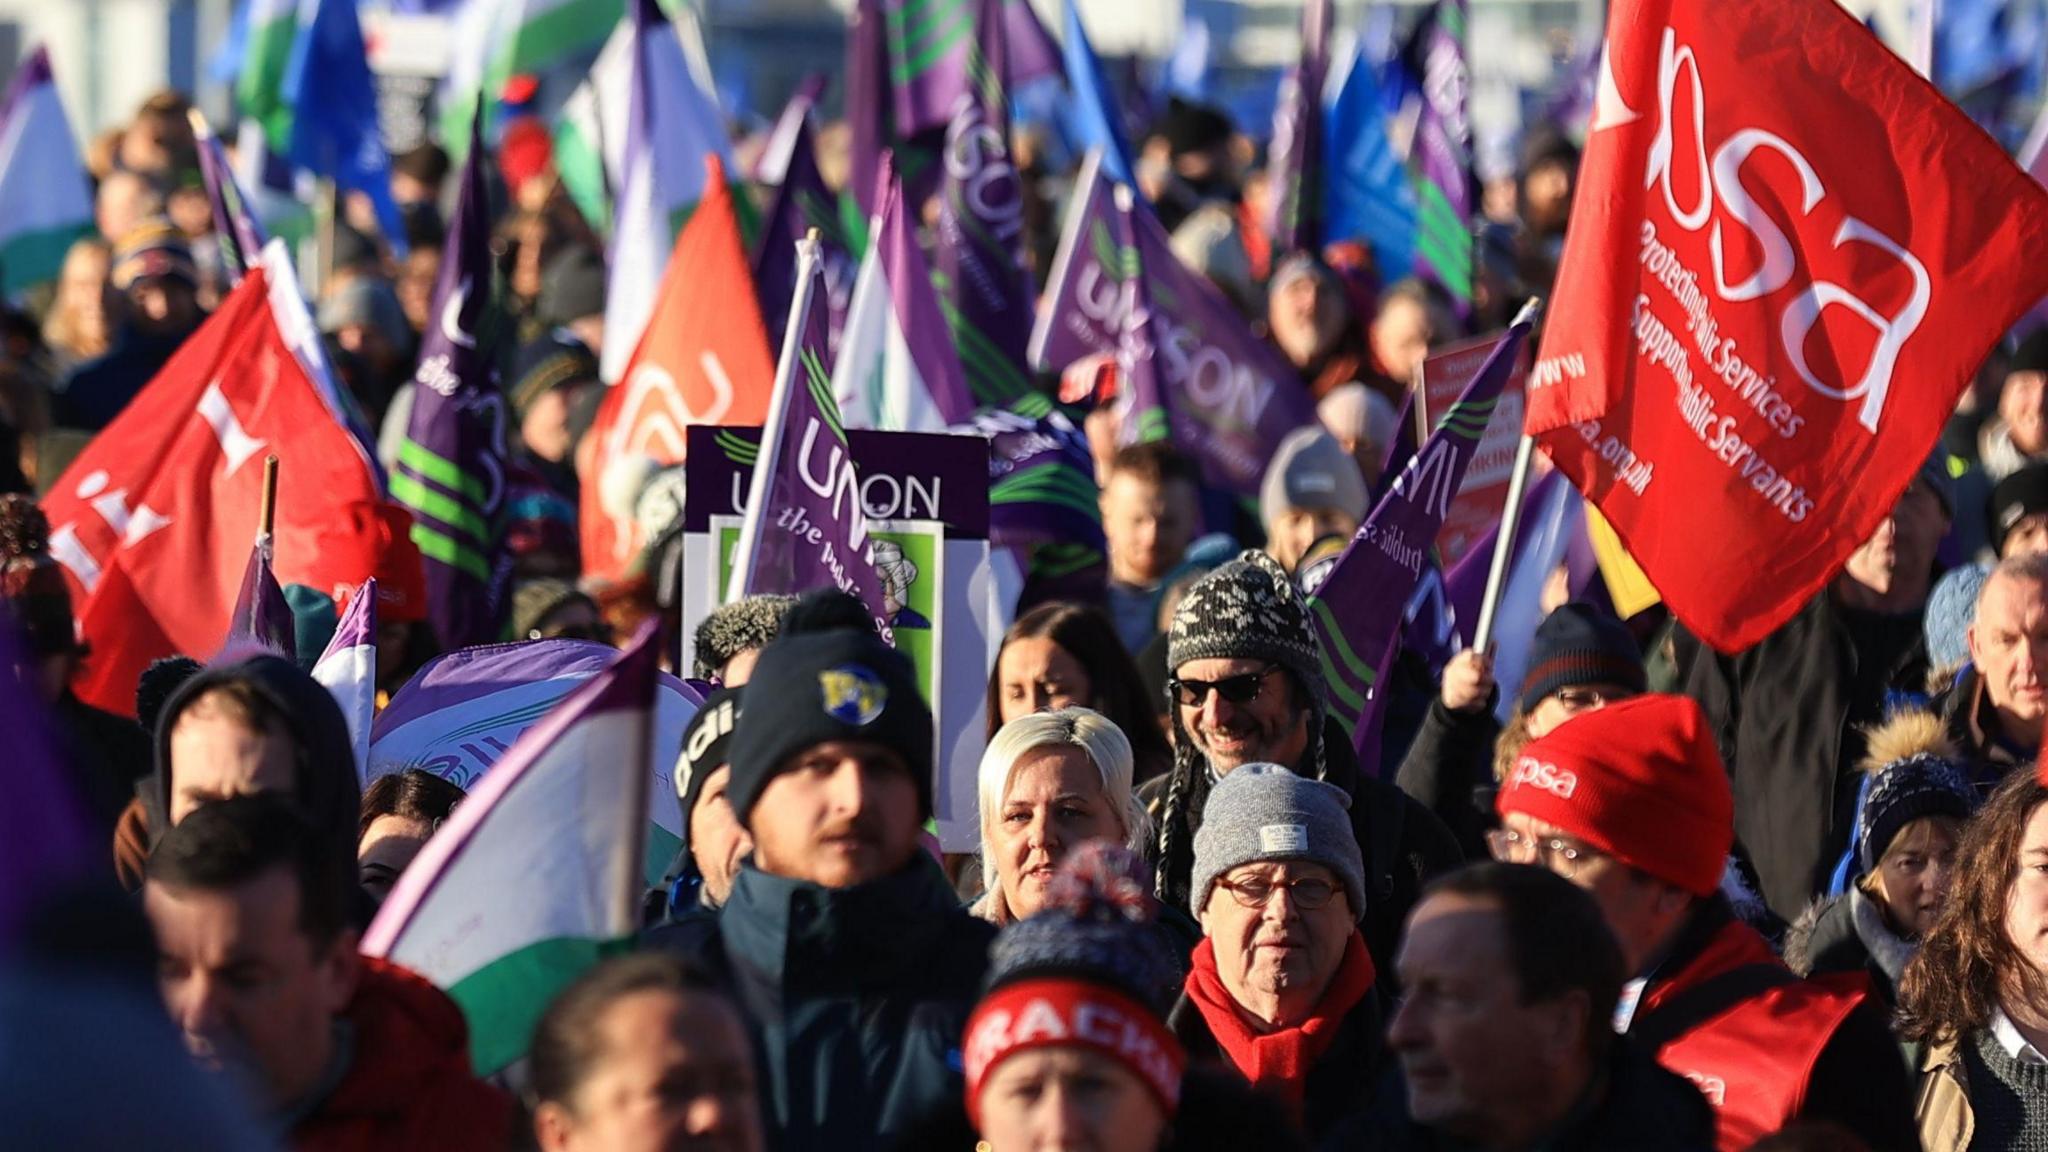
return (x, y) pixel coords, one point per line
(856, 998)
(408, 1087)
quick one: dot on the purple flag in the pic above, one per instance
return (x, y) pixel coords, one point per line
(44, 839)
(771, 167)
(1231, 398)
(1442, 153)
(261, 615)
(1359, 609)
(241, 239)
(978, 267)
(1297, 161)
(804, 526)
(1143, 416)
(451, 466)
(1043, 502)
(867, 109)
(1402, 449)
(928, 52)
(802, 203)
(1033, 53)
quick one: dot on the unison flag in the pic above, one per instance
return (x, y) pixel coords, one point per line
(978, 265)
(1788, 257)
(1232, 398)
(451, 465)
(1442, 156)
(538, 873)
(802, 202)
(45, 199)
(1359, 608)
(1296, 167)
(896, 371)
(804, 526)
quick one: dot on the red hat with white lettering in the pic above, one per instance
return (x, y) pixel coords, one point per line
(1092, 970)
(1640, 781)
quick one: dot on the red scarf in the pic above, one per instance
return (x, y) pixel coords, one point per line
(1278, 1062)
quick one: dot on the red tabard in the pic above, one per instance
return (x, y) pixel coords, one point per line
(1752, 1061)
(1788, 255)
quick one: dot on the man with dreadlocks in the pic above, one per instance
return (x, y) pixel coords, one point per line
(1246, 687)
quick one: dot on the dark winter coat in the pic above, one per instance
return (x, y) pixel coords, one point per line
(1786, 714)
(92, 394)
(1449, 769)
(106, 755)
(1404, 846)
(1339, 1085)
(856, 998)
(1966, 712)
(1635, 1106)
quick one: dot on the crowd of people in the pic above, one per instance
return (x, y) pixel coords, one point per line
(1636, 894)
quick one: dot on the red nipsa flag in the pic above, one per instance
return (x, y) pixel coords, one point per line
(1788, 255)
(152, 522)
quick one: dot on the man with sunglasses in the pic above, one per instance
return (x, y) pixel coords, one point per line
(1631, 803)
(1282, 988)
(1247, 687)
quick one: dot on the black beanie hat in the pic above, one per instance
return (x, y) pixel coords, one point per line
(2032, 354)
(817, 687)
(540, 366)
(707, 743)
(2015, 498)
(1580, 644)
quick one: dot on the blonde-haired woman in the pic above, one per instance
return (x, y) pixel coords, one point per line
(80, 323)
(1051, 781)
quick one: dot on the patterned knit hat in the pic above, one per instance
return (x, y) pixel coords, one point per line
(1247, 609)
(1913, 774)
(32, 588)
(733, 628)
(153, 248)
(1091, 970)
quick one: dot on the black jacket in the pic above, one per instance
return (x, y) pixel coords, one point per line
(1450, 767)
(1966, 712)
(107, 756)
(1848, 934)
(1404, 846)
(1786, 714)
(1340, 1084)
(1635, 1106)
(856, 998)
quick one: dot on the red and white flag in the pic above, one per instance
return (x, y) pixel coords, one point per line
(1788, 254)
(152, 522)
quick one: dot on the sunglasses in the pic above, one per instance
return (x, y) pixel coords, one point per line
(1240, 689)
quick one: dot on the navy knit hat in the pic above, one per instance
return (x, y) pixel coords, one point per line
(1580, 644)
(1914, 773)
(823, 686)
(555, 360)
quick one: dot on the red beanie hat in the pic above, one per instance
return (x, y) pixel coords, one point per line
(401, 572)
(1640, 781)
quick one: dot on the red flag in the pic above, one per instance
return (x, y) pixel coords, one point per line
(1788, 254)
(704, 359)
(152, 522)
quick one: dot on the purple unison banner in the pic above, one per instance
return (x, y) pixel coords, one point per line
(1231, 398)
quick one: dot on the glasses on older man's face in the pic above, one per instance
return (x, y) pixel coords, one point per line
(1562, 856)
(1240, 689)
(1308, 893)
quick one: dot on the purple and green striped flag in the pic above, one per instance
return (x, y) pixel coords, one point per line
(1442, 156)
(804, 526)
(1358, 610)
(978, 267)
(451, 465)
(1297, 162)
(240, 237)
(801, 203)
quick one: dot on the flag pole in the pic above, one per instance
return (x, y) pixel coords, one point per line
(1511, 512)
(266, 519)
(748, 546)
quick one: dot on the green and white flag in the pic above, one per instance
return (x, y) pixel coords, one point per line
(45, 199)
(496, 40)
(537, 875)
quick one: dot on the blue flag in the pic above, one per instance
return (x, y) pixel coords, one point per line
(1369, 196)
(333, 104)
(1092, 112)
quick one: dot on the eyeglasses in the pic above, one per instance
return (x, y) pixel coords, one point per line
(1579, 699)
(1309, 893)
(1240, 689)
(1564, 857)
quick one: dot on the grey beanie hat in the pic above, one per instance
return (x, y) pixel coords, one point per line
(1311, 470)
(1265, 812)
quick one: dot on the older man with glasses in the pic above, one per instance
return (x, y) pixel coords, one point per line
(1248, 687)
(1282, 988)
(1631, 803)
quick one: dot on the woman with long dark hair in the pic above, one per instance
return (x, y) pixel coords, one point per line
(1060, 655)
(1977, 993)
